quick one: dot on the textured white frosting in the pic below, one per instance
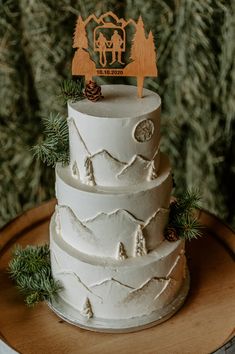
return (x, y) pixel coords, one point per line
(118, 135)
(117, 290)
(94, 220)
(107, 235)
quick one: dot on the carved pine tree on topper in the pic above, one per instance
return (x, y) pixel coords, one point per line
(82, 63)
(109, 43)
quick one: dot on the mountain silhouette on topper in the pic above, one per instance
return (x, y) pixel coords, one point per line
(107, 16)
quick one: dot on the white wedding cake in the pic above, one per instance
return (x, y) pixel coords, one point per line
(107, 243)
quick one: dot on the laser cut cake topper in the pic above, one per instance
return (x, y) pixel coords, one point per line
(108, 47)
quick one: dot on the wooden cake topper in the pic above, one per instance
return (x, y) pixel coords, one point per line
(109, 42)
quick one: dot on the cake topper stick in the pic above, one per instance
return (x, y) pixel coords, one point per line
(110, 42)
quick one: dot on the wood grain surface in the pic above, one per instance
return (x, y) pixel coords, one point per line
(205, 323)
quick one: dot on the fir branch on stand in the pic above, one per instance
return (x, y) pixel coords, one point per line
(55, 147)
(31, 270)
(182, 220)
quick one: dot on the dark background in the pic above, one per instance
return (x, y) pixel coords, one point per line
(196, 49)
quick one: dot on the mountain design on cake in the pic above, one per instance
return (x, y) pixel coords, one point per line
(173, 276)
(150, 286)
(102, 234)
(106, 169)
(112, 291)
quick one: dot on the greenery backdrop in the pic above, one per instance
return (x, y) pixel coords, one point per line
(196, 51)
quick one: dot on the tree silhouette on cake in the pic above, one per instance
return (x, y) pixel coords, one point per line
(140, 249)
(143, 56)
(87, 309)
(82, 63)
(121, 251)
(90, 179)
(75, 171)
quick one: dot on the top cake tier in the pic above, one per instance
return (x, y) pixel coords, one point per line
(115, 141)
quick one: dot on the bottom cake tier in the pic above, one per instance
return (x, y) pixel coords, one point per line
(104, 294)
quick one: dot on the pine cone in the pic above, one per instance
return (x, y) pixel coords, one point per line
(171, 234)
(173, 200)
(93, 91)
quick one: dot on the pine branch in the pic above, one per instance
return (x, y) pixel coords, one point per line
(31, 270)
(55, 148)
(72, 90)
(188, 227)
(182, 218)
(186, 203)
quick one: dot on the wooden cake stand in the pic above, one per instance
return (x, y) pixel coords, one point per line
(204, 323)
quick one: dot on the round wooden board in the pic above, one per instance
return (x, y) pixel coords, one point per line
(205, 322)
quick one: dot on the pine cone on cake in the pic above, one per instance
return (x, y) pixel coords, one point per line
(93, 91)
(171, 234)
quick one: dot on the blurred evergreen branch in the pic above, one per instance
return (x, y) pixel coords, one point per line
(55, 147)
(30, 268)
(72, 90)
(182, 216)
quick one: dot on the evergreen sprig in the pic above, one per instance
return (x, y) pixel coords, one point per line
(72, 90)
(55, 147)
(31, 270)
(182, 216)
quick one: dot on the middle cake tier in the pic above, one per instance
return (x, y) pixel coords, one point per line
(113, 222)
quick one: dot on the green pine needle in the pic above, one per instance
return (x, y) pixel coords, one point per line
(72, 90)
(31, 270)
(182, 217)
(55, 147)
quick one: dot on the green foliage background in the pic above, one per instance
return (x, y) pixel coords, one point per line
(196, 51)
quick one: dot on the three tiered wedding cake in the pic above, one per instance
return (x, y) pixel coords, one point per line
(107, 243)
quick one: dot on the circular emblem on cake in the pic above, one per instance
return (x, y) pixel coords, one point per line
(144, 131)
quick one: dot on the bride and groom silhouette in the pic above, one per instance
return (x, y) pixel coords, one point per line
(115, 45)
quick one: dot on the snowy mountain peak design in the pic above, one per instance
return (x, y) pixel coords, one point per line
(114, 228)
(111, 290)
(73, 127)
(160, 285)
(107, 169)
(108, 281)
(116, 213)
(64, 273)
(105, 154)
(118, 172)
(137, 161)
(65, 211)
(124, 293)
(153, 285)
(101, 234)
(159, 212)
